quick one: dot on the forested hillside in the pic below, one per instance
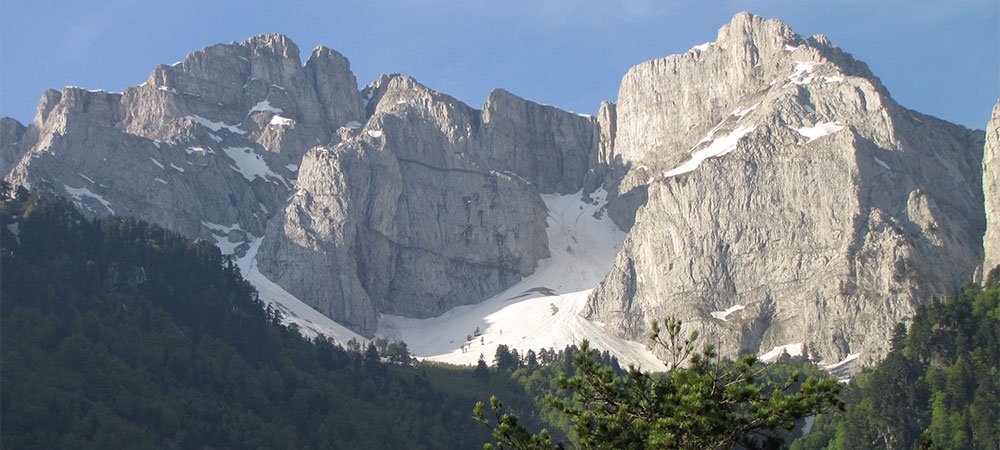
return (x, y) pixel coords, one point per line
(118, 333)
(938, 388)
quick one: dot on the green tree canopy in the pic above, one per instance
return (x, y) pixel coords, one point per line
(701, 402)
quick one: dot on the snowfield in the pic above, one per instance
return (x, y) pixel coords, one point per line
(541, 311)
(819, 130)
(719, 147)
(79, 193)
(310, 322)
(250, 164)
(791, 349)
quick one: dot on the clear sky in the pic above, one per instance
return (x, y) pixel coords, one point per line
(938, 57)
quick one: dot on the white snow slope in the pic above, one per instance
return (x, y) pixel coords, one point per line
(543, 309)
(311, 323)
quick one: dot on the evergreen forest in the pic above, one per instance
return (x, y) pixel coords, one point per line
(119, 334)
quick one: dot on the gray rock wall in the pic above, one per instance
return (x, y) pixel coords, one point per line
(991, 192)
(12, 135)
(823, 208)
(549, 147)
(406, 213)
(827, 211)
(409, 202)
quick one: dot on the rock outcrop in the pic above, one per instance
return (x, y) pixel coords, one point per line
(549, 147)
(206, 147)
(790, 202)
(11, 148)
(431, 204)
(776, 195)
(991, 192)
(403, 217)
(397, 199)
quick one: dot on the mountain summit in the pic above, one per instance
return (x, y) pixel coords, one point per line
(792, 205)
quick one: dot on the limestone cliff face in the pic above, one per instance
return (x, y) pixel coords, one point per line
(12, 135)
(214, 139)
(551, 148)
(785, 186)
(431, 204)
(397, 199)
(774, 192)
(991, 192)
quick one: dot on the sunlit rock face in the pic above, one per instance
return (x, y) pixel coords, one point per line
(991, 192)
(790, 200)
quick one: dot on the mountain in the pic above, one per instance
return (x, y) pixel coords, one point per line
(412, 212)
(991, 192)
(774, 196)
(421, 210)
(792, 205)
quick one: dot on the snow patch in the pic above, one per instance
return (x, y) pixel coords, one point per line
(179, 169)
(250, 164)
(86, 178)
(221, 235)
(292, 167)
(803, 72)
(265, 106)
(168, 89)
(849, 358)
(543, 309)
(375, 133)
(352, 125)
(215, 126)
(702, 47)
(158, 164)
(791, 48)
(723, 315)
(718, 147)
(881, 163)
(226, 246)
(217, 228)
(198, 150)
(743, 112)
(161, 180)
(294, 311)
(833, 79)
(281, 121)
(791, 349)
(214, 137)
(819, 130)
(79, 193)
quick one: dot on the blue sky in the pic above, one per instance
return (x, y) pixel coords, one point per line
(940, 58)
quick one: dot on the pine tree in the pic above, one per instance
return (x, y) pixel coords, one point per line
(482, 370)
(707, 403)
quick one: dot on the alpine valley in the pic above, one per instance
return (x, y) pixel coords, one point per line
(764, 188)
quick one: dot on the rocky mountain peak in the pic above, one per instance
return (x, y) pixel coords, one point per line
(274, 44)
(782, 181)
(775, 195)
(991, 191)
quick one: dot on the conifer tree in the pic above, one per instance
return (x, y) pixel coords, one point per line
(701, 402)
